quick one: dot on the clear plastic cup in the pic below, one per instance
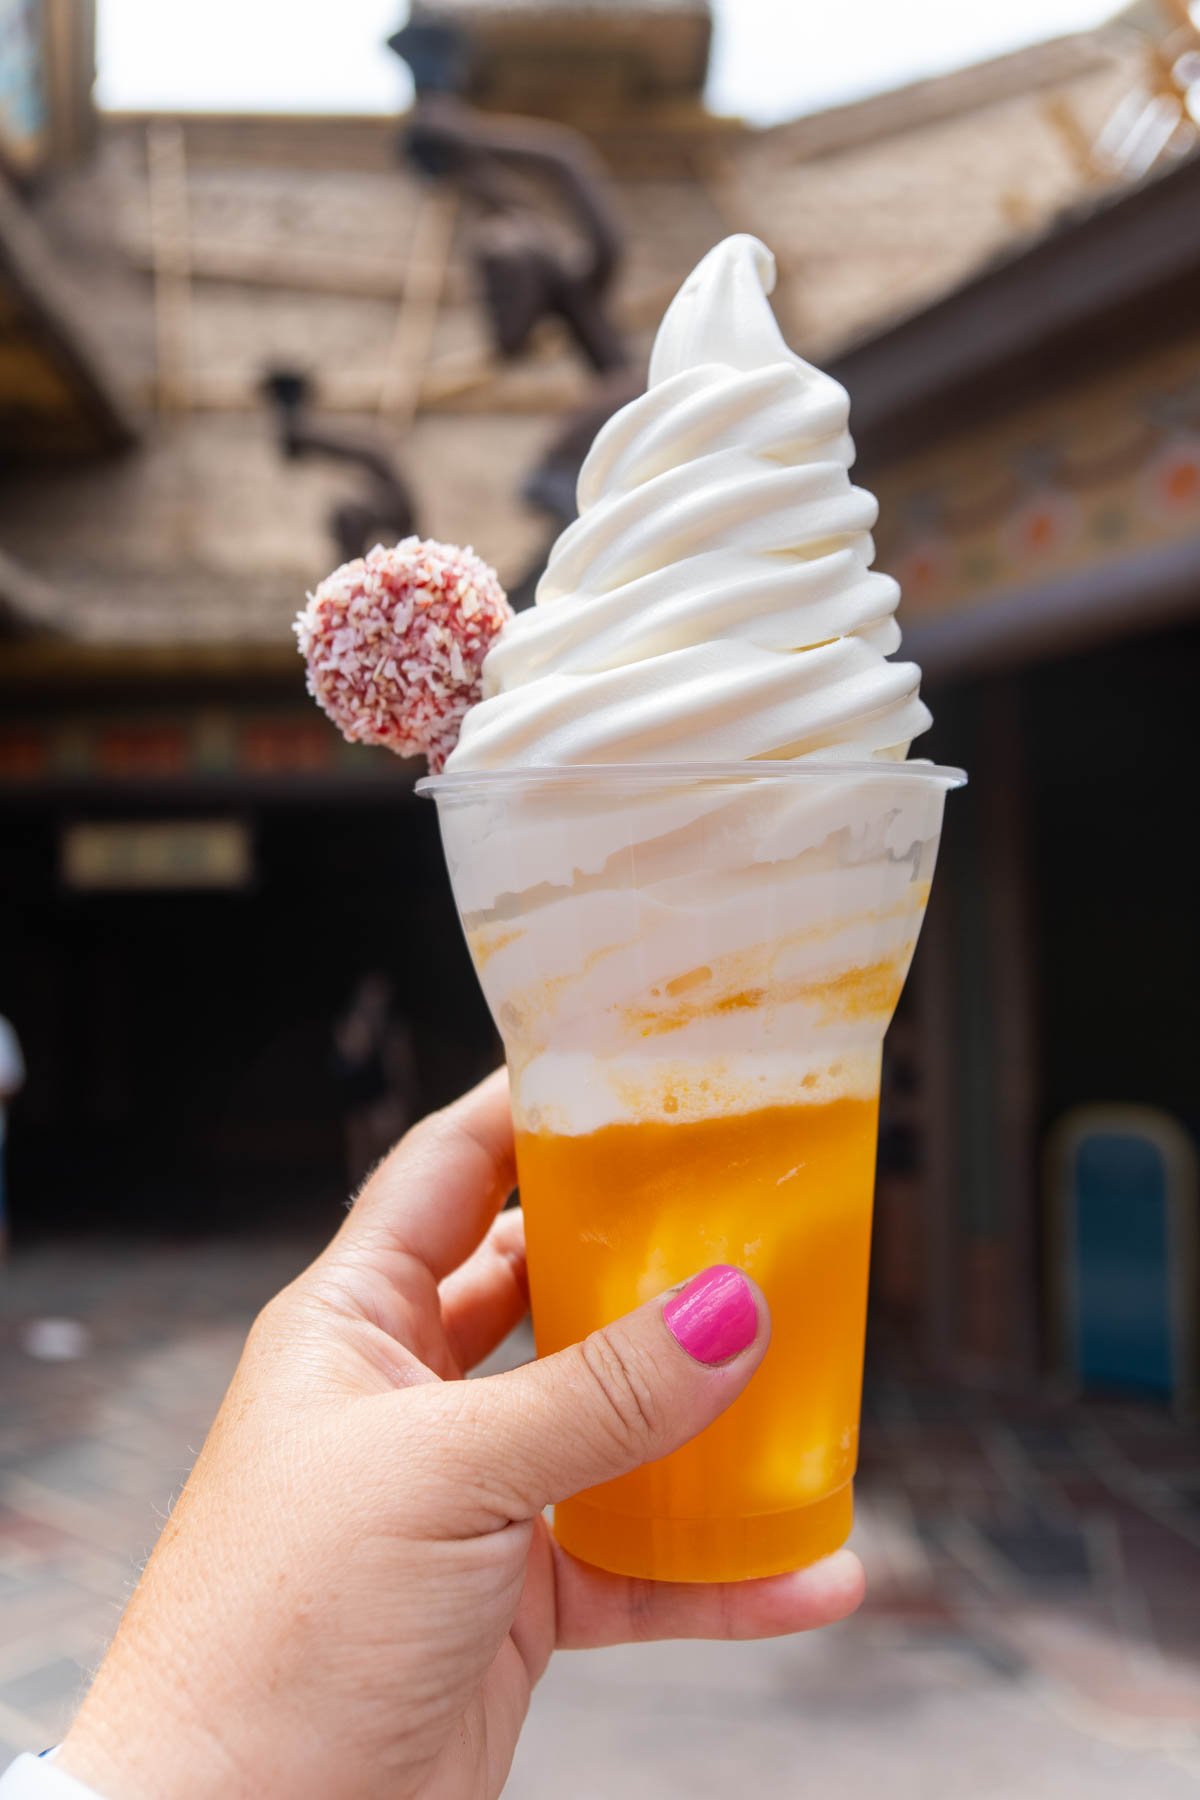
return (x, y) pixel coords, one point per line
(692, 970)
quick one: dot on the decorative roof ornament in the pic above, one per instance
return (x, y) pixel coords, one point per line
(386, 509)
(526, 272)
(1158, 120)
(522, 181)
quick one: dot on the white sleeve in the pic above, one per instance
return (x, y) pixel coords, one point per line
(12, 1063)
(36, 1778)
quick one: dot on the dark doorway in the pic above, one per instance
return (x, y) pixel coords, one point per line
(1112, 763)
(179, 1042)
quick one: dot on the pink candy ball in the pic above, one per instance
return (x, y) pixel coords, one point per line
(395, 643)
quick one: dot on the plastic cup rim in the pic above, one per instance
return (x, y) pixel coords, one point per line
(458, 784)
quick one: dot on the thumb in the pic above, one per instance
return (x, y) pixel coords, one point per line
(626, 1395)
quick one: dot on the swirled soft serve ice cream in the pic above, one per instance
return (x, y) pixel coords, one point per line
(715, 599)
(692, 862)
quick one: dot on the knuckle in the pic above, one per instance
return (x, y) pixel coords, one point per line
(430, 1128)
(272, 1319)
(435, 1132)
(298, 1311)
(629, 1405)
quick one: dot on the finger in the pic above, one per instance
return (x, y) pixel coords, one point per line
(628, 1394)
(595, 1609)
(437, 1192)
(489, 1294)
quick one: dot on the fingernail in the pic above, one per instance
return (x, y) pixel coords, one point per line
(714, 1316)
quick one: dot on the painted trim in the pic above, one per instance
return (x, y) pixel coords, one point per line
(1135, 596)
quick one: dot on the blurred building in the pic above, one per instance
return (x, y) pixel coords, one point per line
(997, 262)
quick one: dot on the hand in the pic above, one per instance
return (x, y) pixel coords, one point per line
(356, 1591)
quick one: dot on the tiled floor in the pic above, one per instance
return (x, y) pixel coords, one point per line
(1033, 1627)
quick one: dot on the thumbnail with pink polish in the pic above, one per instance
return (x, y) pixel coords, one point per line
(714, 1316)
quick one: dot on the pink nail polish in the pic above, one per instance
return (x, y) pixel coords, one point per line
(714, 1316)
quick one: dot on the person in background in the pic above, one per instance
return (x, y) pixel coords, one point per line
(375, 1067)
(12, 1080)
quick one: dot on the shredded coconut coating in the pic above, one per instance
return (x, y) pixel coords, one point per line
(395, 641)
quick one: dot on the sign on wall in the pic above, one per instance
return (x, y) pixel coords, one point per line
(118, 856)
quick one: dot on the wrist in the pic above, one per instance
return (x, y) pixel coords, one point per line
(151, 1763)
(146, 1746)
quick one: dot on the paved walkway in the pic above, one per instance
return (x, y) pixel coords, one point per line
(1033, 1626)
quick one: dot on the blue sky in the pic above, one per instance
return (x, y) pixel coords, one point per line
(772, 58)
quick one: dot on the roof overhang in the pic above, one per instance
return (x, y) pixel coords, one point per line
(1103, 286)
(1122, 273)
(58, 396)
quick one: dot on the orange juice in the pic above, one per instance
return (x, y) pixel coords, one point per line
(617, 1215)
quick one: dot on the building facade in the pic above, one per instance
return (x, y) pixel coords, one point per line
(197, 869)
